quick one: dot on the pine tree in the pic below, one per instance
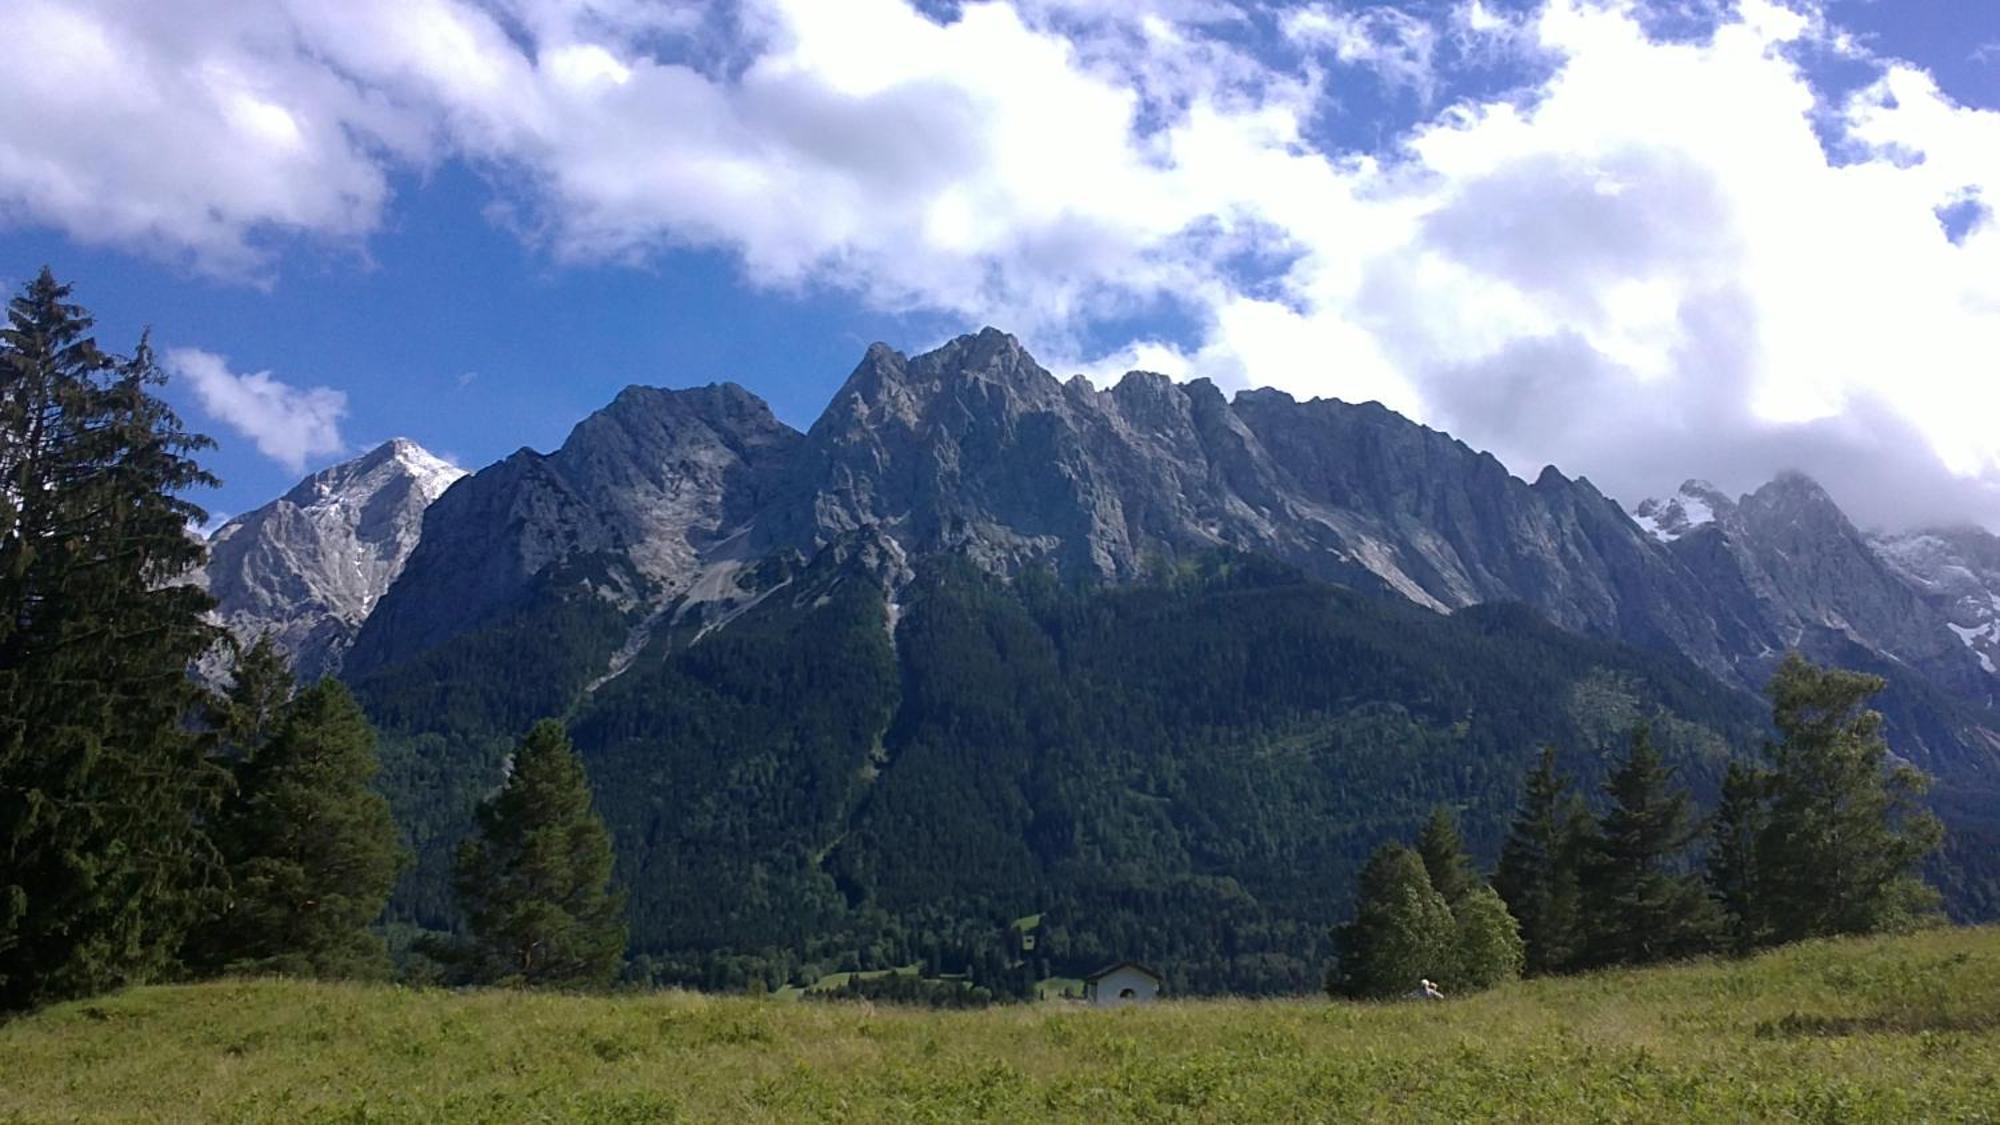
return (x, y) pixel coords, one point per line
(261, 684)
(1402, 930)
(1537, 877)
(1443, 852)
(1640, 906)
(535, 880)
(104, 781)
(311, 848)
(1844, 830)
(1732, 858)
(1486, 945)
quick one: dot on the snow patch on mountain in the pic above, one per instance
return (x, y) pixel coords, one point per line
(1697, 504)
(1957, 570)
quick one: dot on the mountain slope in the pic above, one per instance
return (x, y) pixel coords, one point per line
(645, 490)
(1177, 768)
(1956, 570)
(309, 567)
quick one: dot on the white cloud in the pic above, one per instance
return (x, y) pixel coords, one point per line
(190, 129)
(288, 424)
(1642, 267)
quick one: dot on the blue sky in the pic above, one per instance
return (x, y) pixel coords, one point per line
(1640, 239)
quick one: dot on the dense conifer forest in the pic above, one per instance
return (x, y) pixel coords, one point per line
(1189, 771)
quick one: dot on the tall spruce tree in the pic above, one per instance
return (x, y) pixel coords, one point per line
(1445, 861)
(104, 781)
(1538, 873)
(1402, 931)
(535, 881)
(310, 845)
(1732, 858)
(1843, 829)
(1640, 903)
(260, 686)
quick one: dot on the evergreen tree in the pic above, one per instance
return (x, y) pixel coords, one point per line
(1445, 861)
(1402, 930)
(1537, 877)
(261, 684)
(1487, 942)
(1844, 830)
(1732, 858)
(535, 880)
(104, 781)
(311, 848)
(1639, 905)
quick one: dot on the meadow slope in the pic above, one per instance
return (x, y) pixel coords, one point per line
(1899, 1029)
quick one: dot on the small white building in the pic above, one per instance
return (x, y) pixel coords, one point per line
(1127, 982)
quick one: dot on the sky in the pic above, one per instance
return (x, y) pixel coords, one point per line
(1641, 240)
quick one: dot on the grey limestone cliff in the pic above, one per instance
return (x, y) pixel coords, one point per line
(309, 567)
(633, 504)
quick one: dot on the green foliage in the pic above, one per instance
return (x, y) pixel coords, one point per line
(1641, 905)
(260, 686)
(1402, 932)
(1842, 830)
(535, 881)
(1188, 774)
(1443, 852)
(907, 988)
(1487, 949)
(310, 846)
(449, 717)
(1734, 879)
(104, 781)
(1538, 877)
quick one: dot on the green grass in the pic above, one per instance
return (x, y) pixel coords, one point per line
(1053, 987)
(1893, 1030)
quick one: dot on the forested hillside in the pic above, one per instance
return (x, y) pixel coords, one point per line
(1188, 770)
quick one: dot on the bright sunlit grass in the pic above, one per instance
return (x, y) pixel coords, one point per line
(1893, 1030)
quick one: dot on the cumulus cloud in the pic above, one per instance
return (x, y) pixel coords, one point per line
(1651, 257)
(288, 424)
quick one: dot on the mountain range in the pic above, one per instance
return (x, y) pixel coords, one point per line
(948, 501)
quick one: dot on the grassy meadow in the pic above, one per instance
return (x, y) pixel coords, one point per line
(1902, 1029)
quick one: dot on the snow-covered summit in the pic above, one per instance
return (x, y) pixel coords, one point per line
(1696, 504)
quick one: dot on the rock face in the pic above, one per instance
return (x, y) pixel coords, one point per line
(1787, 561)
(1957, 571)
(309, 567)
(1697, 504)
(973, 448)
(669, 497)
(637, 500)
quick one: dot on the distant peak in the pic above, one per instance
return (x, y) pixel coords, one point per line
(989, 355)
(1695, 504)
(1793, 497)
(1795, 482)
(1151, 381)
(1250, 396)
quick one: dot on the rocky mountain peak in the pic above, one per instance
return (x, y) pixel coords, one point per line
(309, 567)
(1695, 504)
(645, 487)
(1794, 498)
